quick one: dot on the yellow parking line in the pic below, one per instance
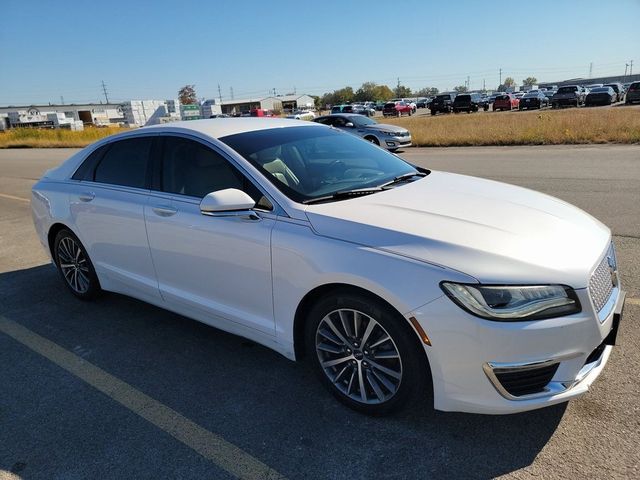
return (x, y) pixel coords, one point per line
(632, 301)
(211, 446)
(13, 197)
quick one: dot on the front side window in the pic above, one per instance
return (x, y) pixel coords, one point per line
(193, 169)
(125, 163)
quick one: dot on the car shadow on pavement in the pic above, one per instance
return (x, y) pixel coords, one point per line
(270, 407)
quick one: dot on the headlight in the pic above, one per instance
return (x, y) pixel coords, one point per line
(514, 303)
(392, 134)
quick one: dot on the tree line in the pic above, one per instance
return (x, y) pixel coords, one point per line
(368, 91)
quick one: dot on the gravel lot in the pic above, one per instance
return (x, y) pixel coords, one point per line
(53, 424)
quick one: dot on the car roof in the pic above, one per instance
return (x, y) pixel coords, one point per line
(221, 127)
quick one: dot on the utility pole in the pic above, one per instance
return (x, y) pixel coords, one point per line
(294, 90)
(468, 83)
(590, 69)
(630, 67)
(231, 91)
(219, 93)
(484, 85)
(61, 100)
(104, 90)
(500, 81)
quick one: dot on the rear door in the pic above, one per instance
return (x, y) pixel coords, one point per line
(108, 209)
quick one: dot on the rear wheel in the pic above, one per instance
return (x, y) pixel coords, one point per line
(74, 266)
(365, 353)
(433, 112)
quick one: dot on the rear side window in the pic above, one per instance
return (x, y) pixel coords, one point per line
(125, 163)
(634, 86)
(85, 171)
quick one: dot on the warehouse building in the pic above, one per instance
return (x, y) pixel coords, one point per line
(594, 80)
(98, 114)
(281, 103)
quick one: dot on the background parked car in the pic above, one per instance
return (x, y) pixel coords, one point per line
(390, 137)
(568, 96)
(442, 103)
(533, 99)
(633, 93)
(618, 88)
(549, 94)
(422, 103)
(469, 102)
(505, 101)
(396, 109)
(362, 109)
(302, 115)
(600, 96)
(342, 109)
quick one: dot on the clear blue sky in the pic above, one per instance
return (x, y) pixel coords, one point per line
(149, 49)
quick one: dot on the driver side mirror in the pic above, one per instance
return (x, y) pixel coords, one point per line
(349, 125)
(229, 202)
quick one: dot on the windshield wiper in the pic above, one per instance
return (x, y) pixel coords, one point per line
(357, 192)
(402, 178)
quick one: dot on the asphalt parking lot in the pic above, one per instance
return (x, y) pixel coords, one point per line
(121, 389)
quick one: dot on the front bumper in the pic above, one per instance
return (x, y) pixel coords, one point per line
(467, 354)
(393, 143)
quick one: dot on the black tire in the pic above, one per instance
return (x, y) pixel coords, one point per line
(373, 140)
(433, 112)
(64, 239)
(413, 363)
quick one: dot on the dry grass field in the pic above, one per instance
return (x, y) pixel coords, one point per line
(545, 127)
(32, 138)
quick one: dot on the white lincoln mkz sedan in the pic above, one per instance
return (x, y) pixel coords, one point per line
(391, 280)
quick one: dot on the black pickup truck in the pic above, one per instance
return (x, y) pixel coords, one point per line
(470, 102)
(442, 103)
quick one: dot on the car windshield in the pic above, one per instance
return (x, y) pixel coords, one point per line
(444, 97)
(615, 87)
(634, 86)
(315, 161)
(531, 94)
(463, 98)
(567, 89)
(600, 90)
(362, 121)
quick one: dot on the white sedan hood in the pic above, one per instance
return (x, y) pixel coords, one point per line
(495, 232)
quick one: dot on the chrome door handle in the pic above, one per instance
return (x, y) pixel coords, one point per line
(164, 211)
(86, 196)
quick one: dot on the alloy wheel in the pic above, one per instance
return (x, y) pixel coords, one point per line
(358, 356)
(73, 264)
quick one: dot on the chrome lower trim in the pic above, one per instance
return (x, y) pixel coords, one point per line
(608, 307)
(553, 387)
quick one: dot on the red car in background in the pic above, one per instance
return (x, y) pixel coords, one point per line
(506, 101)
(396, 109)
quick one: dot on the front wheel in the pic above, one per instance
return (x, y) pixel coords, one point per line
(365, 353)
(74, 266)
(373, 140)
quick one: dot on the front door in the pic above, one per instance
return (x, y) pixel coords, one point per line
(218, 267)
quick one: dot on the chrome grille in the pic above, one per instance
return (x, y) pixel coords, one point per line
(603, 280)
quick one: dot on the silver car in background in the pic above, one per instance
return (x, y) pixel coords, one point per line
(388, 136)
